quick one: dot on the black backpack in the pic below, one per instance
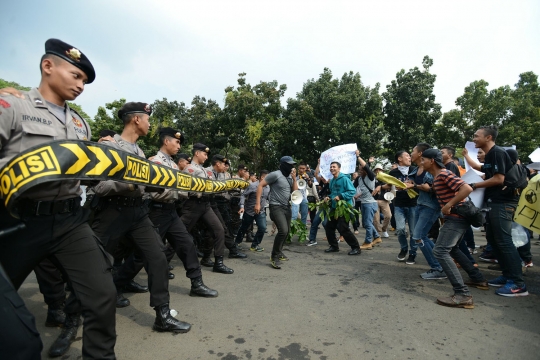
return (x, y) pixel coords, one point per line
(515, 180)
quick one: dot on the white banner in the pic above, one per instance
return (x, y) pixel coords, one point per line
(343, 154)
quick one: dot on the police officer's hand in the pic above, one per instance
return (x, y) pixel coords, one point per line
(257, 208)
(106, 138)
(241, 211)
(11, 91)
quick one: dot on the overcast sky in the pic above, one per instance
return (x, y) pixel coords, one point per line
(148, 50)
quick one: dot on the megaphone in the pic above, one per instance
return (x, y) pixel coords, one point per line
(389, 196)
(301, 184)
(296, 197)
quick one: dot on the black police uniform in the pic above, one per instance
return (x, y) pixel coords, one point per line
(163, 215)
(198, 206)
(122, 212)
(56, 224)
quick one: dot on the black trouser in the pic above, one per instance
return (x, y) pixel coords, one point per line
(171, 227)
(195, 209)
(281, 216)
(343, 227)
(114, 222)
(68, 239)
(18, 333)
(51, 283)
(229, 239)
(235, 222)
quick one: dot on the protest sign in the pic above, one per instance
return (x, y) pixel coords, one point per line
(344, 154)
(528, 210)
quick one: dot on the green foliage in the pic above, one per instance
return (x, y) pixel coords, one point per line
(329, 112)
(342, 209)
(410, 108)
(5, 84)
(297, 228)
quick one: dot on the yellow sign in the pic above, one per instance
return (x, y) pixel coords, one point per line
(528, 210)
(138, 170)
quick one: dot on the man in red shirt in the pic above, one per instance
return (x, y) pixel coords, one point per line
(451, 191)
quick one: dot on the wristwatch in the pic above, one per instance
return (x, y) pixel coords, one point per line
(473, 185)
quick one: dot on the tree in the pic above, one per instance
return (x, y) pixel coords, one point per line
(330, 112)
(522, 126)
(410, 108)
(252, 121)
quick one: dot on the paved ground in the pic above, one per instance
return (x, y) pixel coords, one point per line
(324, 306)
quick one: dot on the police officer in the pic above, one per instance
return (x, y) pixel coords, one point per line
(122, 212)
(56, 224)
(183, 161)
(217, 170)
(163, 215)
(198, 206)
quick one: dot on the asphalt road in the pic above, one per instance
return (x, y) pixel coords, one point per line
(323, 306)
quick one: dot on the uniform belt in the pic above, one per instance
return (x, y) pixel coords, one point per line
(43, 208)
(161, 205)
(204, 198)
(124, 201)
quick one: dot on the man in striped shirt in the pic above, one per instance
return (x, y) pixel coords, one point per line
(451, 191)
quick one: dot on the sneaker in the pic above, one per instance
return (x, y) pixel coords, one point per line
(256, 248)
(494, 267)
(392, 229)
(512, 290)
(473, 251)
(402, 254)
(355, 232)
(410, 260)
(276, 264)
(433, 275)
(377, 241)
(488, 257)
(312, 243)
(240, 247)
(341, 239)
(498, 282)
(527, 264)
(385, 235)
(283, 257)
(457, 301)
(366, 246)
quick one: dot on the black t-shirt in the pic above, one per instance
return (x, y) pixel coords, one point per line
(497, 161)
(402, 199)
(451, 166)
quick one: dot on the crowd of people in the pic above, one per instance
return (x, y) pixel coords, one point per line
(86, 254)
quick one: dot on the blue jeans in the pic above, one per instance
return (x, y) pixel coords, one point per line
(425, 218)
(315, 225)
(407, 213)
(247, 220)
(447, 247)
(368, 210)
(499, 235)
(304, 211)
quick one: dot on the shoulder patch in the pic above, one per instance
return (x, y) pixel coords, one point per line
(76, 121)
(4, 104)
(157, 162)
(190, 170)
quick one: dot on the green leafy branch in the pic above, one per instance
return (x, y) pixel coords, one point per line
(297, 228)
(343, 209)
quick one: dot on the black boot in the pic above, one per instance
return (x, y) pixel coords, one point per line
(199, 289)
(165, 322)
(134, 287)
(206, 261)
(67, 336)
(220, 267)
(170, 275)
(55, 315)
(234, 253)
(121, 301)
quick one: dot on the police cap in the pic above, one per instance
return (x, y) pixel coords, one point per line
(220, 158)
(200, 147)
(72, 55)
(172, 133)
(133, 108)
(184, 156)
